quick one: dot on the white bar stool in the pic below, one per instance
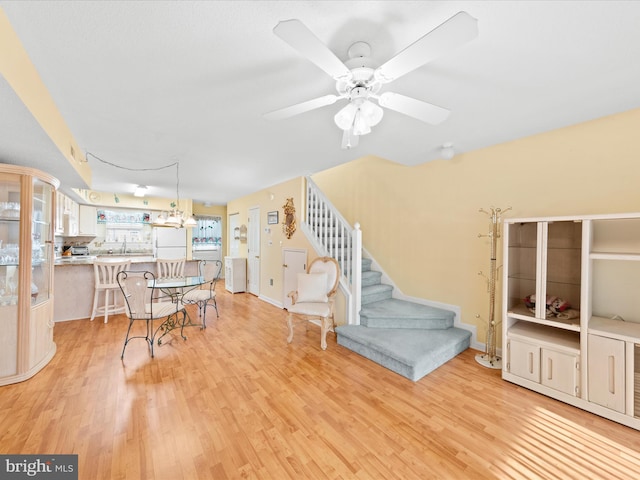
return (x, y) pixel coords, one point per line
(169, 268)
(105, 272)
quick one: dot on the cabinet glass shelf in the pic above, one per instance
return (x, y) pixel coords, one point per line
(522, 313)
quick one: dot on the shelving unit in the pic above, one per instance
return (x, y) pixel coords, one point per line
(586, 354)
(26, 272)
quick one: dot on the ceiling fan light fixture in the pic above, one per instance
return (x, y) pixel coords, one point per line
(360, 124)
(359, 116)
(344, 118)
(372, 112)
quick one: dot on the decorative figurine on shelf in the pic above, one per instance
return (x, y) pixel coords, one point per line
(289, 224)
(490, 359)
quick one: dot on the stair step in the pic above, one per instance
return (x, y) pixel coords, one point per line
(375, 293)
(412, 353)
(371, 277)
(395, 313)
(366, 264)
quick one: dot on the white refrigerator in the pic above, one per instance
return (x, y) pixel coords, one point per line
(169, 243)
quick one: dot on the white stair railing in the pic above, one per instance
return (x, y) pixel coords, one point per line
(332, 236)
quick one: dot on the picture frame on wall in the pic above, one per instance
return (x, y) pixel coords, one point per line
(272, 218)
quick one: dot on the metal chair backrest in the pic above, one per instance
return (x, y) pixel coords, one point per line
(210, 270)
(137, 288)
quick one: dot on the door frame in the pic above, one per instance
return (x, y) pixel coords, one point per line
(288, 273)
(253, 251)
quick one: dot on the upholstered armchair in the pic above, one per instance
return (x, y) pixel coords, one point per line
(314, 297)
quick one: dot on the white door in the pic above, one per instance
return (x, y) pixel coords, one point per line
(253, 251)
(294, 261)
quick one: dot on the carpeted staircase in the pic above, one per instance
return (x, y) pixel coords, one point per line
(408, 338)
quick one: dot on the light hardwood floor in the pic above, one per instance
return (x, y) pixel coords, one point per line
(237, 401)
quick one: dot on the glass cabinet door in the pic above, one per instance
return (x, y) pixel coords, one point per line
(523, 273)
(41, 242)
(564, 259)
(9, 253)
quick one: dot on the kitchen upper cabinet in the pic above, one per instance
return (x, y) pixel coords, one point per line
(67, 214)
(88, 221)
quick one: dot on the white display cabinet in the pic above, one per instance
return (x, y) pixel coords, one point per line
(584, 349)
(26, 272)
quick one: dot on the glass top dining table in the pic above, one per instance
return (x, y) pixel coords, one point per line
(176, 282)
(174, 288)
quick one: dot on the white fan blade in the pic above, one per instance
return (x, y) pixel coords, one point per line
(301, 107)
(458, 30)
(349, 140)
(296, 34)
(426, 112)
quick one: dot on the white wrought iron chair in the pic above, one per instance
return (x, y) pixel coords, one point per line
(314, 297)
(138, 289)
(206, 294)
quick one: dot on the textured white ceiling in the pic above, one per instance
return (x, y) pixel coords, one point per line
(143, 84)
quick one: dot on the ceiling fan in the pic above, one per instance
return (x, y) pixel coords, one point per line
(359, 81)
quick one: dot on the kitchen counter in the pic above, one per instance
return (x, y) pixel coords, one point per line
(74, 284)
(89, 259)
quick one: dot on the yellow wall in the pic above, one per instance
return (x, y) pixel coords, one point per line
(17, 69)
(274, 240)
(421, 223)
(270, 199)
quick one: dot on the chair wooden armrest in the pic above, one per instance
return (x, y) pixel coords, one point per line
(294, 296)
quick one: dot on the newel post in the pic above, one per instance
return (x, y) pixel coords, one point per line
(356, 275)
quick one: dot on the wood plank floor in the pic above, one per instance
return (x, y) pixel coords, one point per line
(237, 401)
